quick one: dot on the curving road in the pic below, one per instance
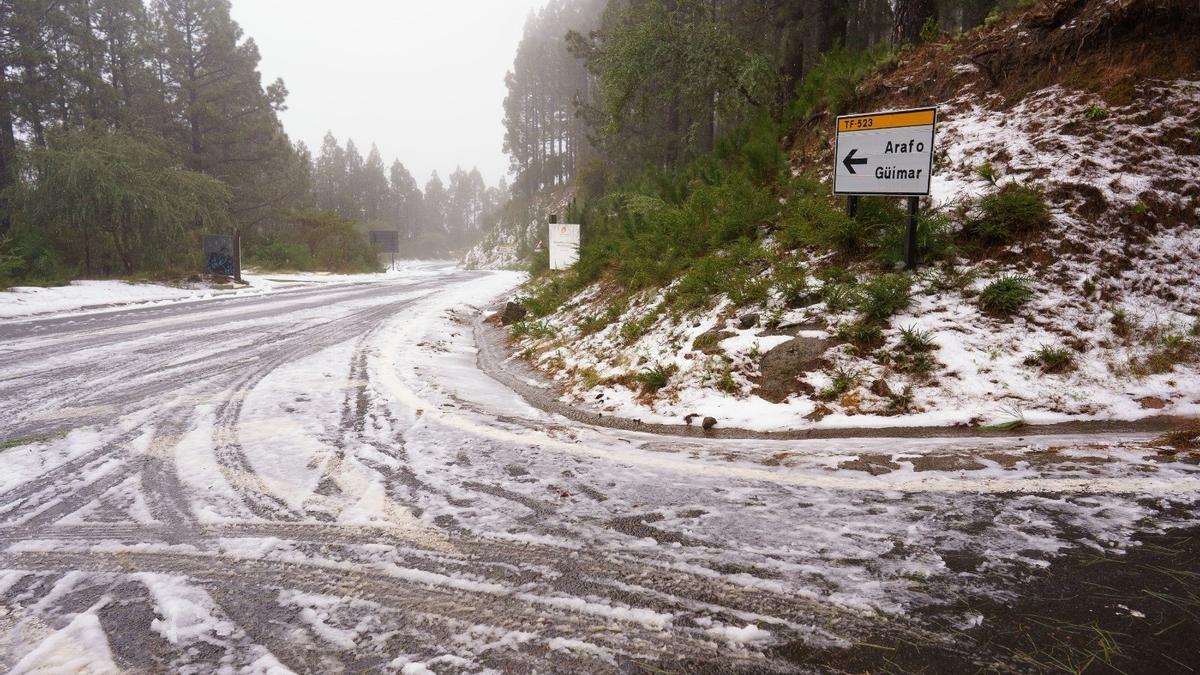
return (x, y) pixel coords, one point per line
(322, 480)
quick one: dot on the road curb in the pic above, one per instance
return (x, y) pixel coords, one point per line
(496, 360)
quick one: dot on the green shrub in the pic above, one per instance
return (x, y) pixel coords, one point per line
(313, 240)
(589, 378)
(726, 383)
(1006, 295)
(840, 297)
(884, 296)
(1096, 112)
(12, 264)
(273, 253)
(792, 284)
(830, 83)
(1052, 359)
(656, 378)
(1007, 213)
(861, 333)
(810, 220)
(935, 239)
(533, 329)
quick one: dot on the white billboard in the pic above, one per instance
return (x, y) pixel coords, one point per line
(564, 246)
(887, 153)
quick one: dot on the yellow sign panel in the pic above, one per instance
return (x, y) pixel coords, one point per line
(877, 121)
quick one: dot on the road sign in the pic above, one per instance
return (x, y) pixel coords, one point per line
(564, 245)
(388, 241)
(888, 153)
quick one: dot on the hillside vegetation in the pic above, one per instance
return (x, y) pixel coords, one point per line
(1059, 244)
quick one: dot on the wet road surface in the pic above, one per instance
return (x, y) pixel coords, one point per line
(322, 480)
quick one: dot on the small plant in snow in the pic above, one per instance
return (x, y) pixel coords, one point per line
(656, 378)
(1006, 295)
(1120, 322)
(533, 329)
(1096, 112)
(726, 383)
(589, 378)
(844, 379)
(1016, 419)
(916, 340)
(1052, 359)
(988, 172)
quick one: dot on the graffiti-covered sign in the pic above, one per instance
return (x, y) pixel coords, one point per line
(219, 255)
(387, 241)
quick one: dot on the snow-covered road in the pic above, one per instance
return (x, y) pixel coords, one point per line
(323, 481)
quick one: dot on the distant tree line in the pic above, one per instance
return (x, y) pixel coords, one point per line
(654, 82)
(128, 128)
(437, 221)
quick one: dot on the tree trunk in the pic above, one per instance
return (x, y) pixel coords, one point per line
(910, 16)
(8, 147)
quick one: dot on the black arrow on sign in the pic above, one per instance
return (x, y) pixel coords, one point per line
(850, 162)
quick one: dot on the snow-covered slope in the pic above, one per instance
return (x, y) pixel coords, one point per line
(1112, 331)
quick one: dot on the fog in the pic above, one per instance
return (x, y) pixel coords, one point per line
(423, 80)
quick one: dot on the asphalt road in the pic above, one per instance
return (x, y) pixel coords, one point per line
(321, 480)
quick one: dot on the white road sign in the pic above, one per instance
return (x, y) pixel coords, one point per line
(564, 246)
(889, 153)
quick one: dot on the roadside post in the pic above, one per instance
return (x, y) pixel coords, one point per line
(237, 255)
(890, 154)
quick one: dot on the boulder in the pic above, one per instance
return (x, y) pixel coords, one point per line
(513, 312)
(710, 342)
(709, 423)
(881, 388)
(748, 321)
(782, 367)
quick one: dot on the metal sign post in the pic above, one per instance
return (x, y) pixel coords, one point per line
(886, 153)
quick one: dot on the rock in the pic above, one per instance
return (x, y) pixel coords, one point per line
(1152, 403)
(709, 423)
(748, 321)
(881, 388)
(513, 312)
(782, 367)
(710, 342)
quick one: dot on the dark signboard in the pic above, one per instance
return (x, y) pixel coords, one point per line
(387, 241)
(219, 256)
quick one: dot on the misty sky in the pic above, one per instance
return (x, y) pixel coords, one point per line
(424, 80)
